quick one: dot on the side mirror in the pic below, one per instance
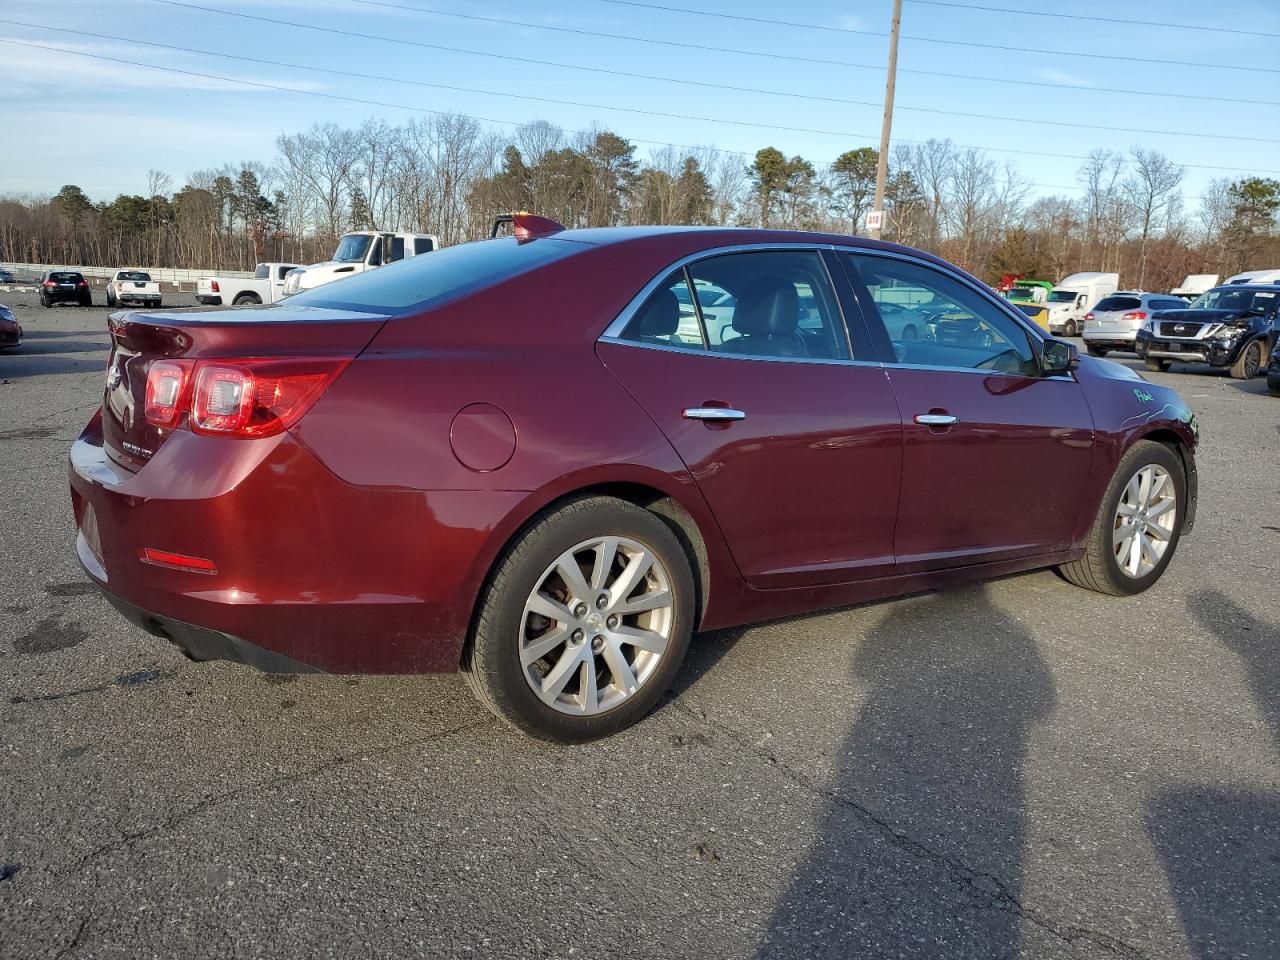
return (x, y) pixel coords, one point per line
(1059, 356)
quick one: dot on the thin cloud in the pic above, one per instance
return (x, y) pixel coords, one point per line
(27, 69)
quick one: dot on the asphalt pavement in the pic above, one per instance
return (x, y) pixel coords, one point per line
(1018, 769)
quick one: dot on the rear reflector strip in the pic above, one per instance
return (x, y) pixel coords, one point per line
(177, 561)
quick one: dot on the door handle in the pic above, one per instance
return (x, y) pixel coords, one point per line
(720, 414)
(936, 419)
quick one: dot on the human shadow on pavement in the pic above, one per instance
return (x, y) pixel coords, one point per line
(1221, 846)
(920, 850)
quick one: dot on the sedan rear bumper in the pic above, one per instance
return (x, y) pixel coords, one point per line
(310, 571)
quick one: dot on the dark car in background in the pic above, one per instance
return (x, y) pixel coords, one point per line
(10, 329)
(541, 461)
(64, 286)
(1273, 368)
(5, 276)
(1227, 327)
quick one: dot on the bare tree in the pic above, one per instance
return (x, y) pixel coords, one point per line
(1150, 190)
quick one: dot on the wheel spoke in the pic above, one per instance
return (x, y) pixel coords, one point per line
(649, 601)
(590, 694)
(1154, 531)
(565, 667)
(1156, 487)
(642, 639)
(1126, 510)
(571, 574)
(623, 675)
(538, 648)
(605, 554)
(549, 608)
(1135, 554)
(627, 581)
(1120, 538)
(1131, 491)
(1164, 506)
(1148, 551)
(1144, 486)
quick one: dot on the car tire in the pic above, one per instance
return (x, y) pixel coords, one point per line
(1273, 387)
(245, 299)
(159, 304)
(1095, 351)
(1100, 569)
(111, 302)
(496, 660)
(909, 332)
(1249, 364)
(1072, 329)
(1155, 364)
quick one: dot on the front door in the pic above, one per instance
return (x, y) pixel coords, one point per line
(744, 362)
(995, 455)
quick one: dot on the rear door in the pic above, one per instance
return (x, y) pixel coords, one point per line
(995, 455)
(785, 421)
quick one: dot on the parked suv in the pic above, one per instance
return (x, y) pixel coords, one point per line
(64, 286)
(1229, 326)
(1113, 324)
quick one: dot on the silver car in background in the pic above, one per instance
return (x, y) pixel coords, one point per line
(1114, 323)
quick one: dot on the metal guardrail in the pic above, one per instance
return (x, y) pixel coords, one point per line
(162, 274)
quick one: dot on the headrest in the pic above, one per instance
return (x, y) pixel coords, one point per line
(767, 307)
(660, 317)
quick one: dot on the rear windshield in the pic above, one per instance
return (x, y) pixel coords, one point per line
(66, 276)
(419, 282)
(137, 275)
(1118, 303)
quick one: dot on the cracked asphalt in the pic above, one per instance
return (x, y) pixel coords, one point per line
(1018, 769)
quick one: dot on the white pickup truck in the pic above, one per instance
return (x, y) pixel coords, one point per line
(265, 286)
(133, 286)
(360, 251)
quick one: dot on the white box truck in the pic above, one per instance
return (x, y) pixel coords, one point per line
(1074, 296)
(1194, 285)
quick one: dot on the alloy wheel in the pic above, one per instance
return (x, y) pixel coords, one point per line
(1252, 360)
(596, 625)
(1144, 520)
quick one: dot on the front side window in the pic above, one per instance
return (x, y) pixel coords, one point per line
(934, 320)
(281, 272)
(397, 249)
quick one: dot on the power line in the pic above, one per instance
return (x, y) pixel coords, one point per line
(1093, 19)
(516, 123)
(961, 43)
(644, 76)
(636, 110)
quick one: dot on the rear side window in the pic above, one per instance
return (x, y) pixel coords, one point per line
(1118, 303)
(420, 282)
(422, 245)
(770, 304)
(1168, 304)
(263, 272)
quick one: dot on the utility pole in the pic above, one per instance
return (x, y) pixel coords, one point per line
(882, 165)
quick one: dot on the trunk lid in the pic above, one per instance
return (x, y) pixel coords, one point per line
(140, 339)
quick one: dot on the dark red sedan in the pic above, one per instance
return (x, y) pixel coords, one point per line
(547, 460)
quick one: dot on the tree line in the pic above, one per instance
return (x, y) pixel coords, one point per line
(449, 175)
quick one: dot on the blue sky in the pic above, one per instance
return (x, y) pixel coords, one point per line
(61, 109)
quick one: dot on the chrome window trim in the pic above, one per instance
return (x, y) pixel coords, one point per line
(699, 352)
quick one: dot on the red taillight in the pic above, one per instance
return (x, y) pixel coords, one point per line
(177, 561)
(167, 391)
(50, 283)
(83, 283)
(1135, 315)
(213, 287)
(1089, 315)
(237, 398)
